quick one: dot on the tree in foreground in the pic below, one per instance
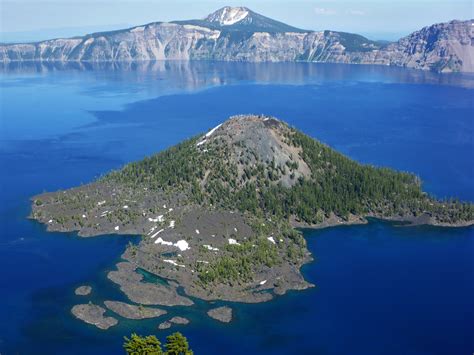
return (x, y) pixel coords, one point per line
(177, 344)
(138, 345)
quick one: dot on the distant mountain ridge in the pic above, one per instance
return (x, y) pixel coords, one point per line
(242, 19)
(239, 34)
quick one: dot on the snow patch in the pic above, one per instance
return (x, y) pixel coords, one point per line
(117, 228)
(157, 219)
(263, 282)
(272, 240)
(138, 29)
(163, 242)
(182, 245)
(89, 41)
(197, 28)
(229, 15)
(208, 247)
(100, 203)
(154, 235)
(197, 231)
(172, 262)
(208, 134)
(233, 242)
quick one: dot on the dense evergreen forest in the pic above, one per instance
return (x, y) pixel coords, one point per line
(337, 185)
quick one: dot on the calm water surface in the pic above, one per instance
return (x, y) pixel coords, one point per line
(381, 289)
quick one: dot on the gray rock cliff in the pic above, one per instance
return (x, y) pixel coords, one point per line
(239, 34)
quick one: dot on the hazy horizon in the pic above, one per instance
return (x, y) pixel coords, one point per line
(20, 21)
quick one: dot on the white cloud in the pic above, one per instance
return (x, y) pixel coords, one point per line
(356, 12)
(324, 12)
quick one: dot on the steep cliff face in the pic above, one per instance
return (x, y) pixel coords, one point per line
(441, 47)
(238, 34)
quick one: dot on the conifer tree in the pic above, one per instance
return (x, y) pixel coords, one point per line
(177, 344)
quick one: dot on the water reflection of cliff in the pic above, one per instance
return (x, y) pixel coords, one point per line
(197, 74)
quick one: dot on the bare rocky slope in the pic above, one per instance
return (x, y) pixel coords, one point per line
(217, 212)
(239, 34)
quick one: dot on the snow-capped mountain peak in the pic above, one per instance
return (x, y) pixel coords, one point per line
(228, 15)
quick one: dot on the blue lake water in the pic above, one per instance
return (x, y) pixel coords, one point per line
(381, 289)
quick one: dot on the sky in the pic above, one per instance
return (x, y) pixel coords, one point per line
(378, 19)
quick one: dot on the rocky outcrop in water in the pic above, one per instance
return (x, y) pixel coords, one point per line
(83, 290)
(131, 311)
(222, 314)
(239, 34)
(93, 314)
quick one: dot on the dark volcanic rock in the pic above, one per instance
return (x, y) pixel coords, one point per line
(164, 325)
(144, 292)
(131, 311)
(222, 314)
(83, 290)
(179, 320)
(175, 320)
(93, 314)
(211, 211)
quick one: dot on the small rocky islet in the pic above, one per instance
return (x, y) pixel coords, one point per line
(222, 314)
(93, 314)
(175, 320)
(83, 290)
(131, 311)
(218, 213)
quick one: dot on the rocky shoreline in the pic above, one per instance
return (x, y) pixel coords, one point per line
(83, 290)
(93, 314)
(218, 214)
(145, 293)
(131, 311)
(222, 314)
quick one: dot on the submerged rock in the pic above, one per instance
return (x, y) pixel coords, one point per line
(131, 311)
(222, 314)
(93, 314)
(83, 290)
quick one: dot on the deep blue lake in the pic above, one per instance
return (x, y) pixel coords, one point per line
(380, 288)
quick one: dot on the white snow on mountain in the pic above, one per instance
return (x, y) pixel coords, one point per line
(229, 15)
